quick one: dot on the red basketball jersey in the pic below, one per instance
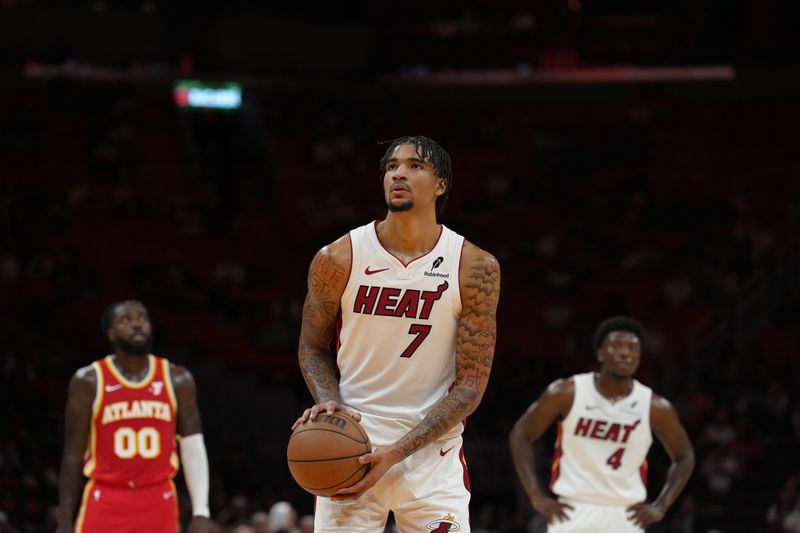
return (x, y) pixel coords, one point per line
(132, 436)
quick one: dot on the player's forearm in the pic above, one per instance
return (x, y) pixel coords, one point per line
(451, 410)
(524, 462)
(678, 475)
(70, 481)
(319, 373)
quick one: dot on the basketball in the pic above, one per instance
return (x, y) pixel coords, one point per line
(323, 453)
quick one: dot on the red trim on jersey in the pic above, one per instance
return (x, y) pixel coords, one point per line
(350, 272)
(405, 265)
(463, 459)
(89, 463)
(461, 258)
(557, 453)
(643, 472)
(339, 321)
(173, 399)
(338, 339)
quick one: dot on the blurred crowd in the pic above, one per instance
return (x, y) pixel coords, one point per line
(672, 207)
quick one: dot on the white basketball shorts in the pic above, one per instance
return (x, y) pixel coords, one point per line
(428, 491)
(591, 518)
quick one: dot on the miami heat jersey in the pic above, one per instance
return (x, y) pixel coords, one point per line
(601, 448)
(396, 352)
(132, 435)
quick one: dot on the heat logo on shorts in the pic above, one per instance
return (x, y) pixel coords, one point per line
(444, 524)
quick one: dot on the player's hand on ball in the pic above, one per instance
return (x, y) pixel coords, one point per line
(553, 510)
(380, 460)
(328, 407)
(644, 514)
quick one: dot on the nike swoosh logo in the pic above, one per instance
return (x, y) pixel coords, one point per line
(112, 388)
(592, 407)
(445, 452)
(167, 495)
(369, 272)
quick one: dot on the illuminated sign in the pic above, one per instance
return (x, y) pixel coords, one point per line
(193, 94)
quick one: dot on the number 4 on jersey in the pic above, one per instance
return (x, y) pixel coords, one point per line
(615, 459)
(421, 331)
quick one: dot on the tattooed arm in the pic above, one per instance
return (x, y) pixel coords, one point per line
(327, 278)
(475, 340)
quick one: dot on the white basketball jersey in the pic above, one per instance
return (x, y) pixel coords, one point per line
(601, 448)
(396, 353)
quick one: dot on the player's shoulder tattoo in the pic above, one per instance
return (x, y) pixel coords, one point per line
(330, 269)
(327, 278)
(480, 281)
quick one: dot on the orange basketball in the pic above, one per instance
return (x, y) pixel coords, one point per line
(323, 453)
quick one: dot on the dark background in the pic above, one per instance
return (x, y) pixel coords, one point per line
(615, 157)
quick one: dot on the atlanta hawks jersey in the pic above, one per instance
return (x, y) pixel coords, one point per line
(132, 435)
(601, 447)
(396, 352)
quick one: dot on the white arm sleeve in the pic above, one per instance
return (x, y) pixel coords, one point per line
(195, 471)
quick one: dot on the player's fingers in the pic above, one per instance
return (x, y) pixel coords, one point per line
(356, 416)
(352, 492)
(637, 518)
(353, 489)
(365, 459)
(345, 497)
(303, 418)
(566, 506)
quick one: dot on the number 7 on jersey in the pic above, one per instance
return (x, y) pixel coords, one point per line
(421, 331)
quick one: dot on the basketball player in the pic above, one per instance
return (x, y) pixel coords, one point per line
(121, 416)
(605, 420)
(415, 348)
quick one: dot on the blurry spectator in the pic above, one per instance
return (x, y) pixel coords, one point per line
(720, 432)
(307, 524)
(719, 468)
(260, 522)
(283, 518)
(784, 513)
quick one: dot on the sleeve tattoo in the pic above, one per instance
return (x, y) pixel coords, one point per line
(318, 329)
(475, 342)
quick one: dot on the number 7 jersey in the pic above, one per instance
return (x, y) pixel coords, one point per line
(601, 447)
(397, 336)
(132, 432)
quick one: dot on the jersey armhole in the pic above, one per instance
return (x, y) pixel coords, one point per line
(349, 285)
(575, 399)
(649, 395)
(173, 400)
(100, 387)
(458, 298)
